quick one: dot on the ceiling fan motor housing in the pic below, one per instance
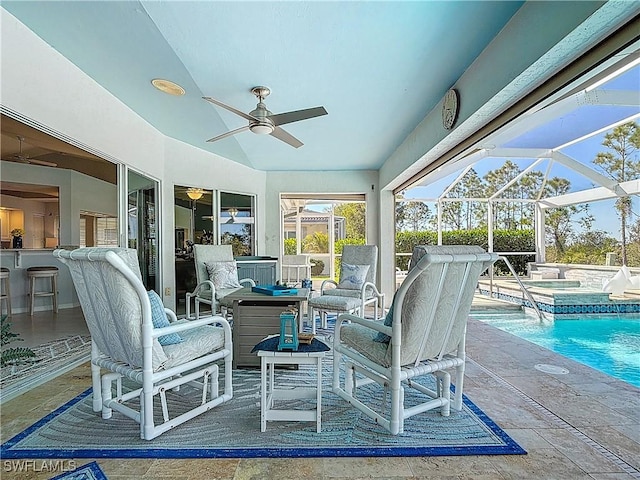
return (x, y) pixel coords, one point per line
(263, 125)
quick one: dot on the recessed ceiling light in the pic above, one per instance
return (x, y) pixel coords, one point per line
(167, 86)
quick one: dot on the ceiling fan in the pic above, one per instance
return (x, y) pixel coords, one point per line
(21, 158)
(263, 122)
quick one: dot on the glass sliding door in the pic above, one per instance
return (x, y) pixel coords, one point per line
(194, 224)
(142, 226)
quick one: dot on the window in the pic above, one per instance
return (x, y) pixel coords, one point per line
(237, 223)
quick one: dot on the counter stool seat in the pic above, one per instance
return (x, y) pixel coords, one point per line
(5, 289)
(33, 273)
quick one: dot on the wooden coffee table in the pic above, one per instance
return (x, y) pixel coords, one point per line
(256, 316)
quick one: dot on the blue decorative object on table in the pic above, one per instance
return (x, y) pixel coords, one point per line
(274, 290)
(288, 331)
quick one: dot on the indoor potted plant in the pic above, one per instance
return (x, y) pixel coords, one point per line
(17, 234)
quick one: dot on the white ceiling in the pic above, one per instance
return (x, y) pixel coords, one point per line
(377, 67)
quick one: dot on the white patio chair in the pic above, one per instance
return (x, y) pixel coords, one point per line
(355, 290)
(426, 325)
(296, 268)
(206, 291)
(124, 342)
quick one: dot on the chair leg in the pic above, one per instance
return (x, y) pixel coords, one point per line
(457, 397)
(33, 295)
(188, 305)
(443, 380)
(8, 292)
(214, 382)
(54, 289)
(107, 392)
(397, 403)
(312, 319)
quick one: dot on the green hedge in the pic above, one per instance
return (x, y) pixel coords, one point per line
(290, 246)
(503, 241)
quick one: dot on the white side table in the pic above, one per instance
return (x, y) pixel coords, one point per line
(269, 392)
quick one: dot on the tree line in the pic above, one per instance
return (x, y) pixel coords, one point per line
(566, 243)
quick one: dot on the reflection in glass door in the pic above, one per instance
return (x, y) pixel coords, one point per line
(142, 226)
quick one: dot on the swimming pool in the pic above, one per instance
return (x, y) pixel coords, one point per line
(608, 344)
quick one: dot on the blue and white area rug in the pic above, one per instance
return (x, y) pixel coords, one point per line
(90, 471)
(233, 429)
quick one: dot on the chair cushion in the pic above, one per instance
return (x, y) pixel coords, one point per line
(362, 339)
(388, 321)
(223, 274)
(334, 303)
(195, 343)
(352, 277)
(341, 292)
(160, 320)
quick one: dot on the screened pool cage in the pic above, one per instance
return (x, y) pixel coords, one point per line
(551, 138)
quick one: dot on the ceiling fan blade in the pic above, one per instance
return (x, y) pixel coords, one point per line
(297, 115)
(286, 137)
(228, 134)
(41, 162)
(231, 109)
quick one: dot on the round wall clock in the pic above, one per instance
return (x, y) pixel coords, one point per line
(450, 107)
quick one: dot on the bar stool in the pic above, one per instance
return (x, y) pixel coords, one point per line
(5, 289)
(33, 273)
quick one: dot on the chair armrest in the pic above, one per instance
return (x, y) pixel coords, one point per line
(201, 286)
(171, 314)
(250, 281)
(372, 286)
(376, 293)
(157, 332)
(327, 282)
(373, 325)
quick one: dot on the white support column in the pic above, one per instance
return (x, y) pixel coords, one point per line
(332, 244)
(490, 224)
(298, 234)
(439, 221)
(540, 227)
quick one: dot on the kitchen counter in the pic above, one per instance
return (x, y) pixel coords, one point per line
(17, 260)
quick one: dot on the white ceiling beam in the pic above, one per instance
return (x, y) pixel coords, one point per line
(612, 98)
(516, 178)
(587, 172)
(521, 152)
(631, 187)
(545, 179)
(455, 182)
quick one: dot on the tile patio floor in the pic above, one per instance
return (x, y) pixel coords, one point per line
(582, 425)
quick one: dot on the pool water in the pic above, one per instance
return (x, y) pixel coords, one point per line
(608, 344)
